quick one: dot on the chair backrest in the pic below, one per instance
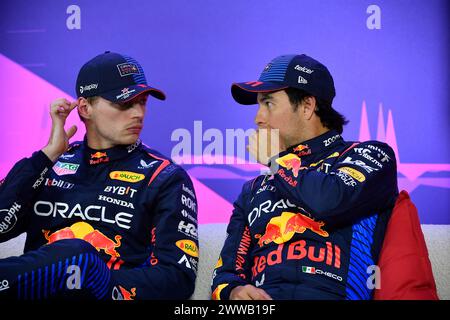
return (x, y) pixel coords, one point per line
(405, 268)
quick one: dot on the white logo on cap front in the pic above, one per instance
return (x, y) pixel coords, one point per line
(303, 69)
(126, 92)
(302, 80)
(88, 87)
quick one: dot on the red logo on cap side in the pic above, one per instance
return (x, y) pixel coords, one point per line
(254, 83)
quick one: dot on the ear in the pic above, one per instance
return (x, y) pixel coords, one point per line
(309, 106)
(84, 108)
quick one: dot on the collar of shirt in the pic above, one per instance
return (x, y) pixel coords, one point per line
(314, 148)
(316, 145)
(95, 157)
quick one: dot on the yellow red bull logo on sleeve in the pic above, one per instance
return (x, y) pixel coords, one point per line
(291, 162)
(126, 176)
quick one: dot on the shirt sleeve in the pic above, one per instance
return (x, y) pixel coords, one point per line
(363, 181)
(233, 266)
(172, 270)
(17, 192)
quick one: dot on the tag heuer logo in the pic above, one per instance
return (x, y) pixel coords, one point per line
(63, 168)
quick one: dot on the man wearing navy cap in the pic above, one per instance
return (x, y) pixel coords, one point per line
(313, 227)
(104, 216)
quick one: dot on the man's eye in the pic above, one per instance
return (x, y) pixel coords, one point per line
(125, 106)
(269, 104)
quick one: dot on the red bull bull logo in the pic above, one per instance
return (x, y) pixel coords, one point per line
(272, 234)
(302, 150)
(120, 293)
(100, 241)
(127, 295)
(65, 233)
(282, 228)
(84, 231)
(291, 162)
(98, 157)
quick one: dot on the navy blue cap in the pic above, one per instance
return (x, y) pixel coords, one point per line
(115, 77)
(294, 71)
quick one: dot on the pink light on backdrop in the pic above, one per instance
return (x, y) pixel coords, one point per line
(411, 171)
(212, 208)
(26, 124)
(24, 113)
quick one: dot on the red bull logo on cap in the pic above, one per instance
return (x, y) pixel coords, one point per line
(282, 228)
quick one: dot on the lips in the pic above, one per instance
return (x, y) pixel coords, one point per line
(135, 129)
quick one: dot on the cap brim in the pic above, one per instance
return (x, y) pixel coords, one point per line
(247, 92)
(121, 96)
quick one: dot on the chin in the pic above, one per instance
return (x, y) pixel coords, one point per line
(129, 140)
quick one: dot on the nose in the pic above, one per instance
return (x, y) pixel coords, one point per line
(138, 110)
(261, 117)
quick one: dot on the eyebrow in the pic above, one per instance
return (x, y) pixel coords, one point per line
(265, 97)
(136, 99)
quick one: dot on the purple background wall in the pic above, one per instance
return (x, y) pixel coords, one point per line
(392, 83)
